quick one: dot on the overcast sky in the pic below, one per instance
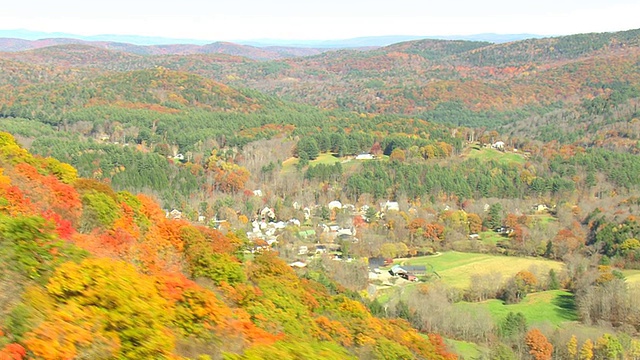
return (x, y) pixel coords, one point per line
(316, 20)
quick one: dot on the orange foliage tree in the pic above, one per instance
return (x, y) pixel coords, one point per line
(539, 347)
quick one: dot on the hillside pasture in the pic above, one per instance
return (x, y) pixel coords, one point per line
(456, 268)
(496, 155)
(555, 307)
(466, 350)
(289, 165)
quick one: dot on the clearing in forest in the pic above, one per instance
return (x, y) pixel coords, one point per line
(289, 165)
(493, 154)
(554, 306)
(456, 268)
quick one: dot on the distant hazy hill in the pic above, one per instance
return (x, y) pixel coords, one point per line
(377, 41)
(262, 49)
(367, 41)
(412, 77)
(251, 52)
(132, 39)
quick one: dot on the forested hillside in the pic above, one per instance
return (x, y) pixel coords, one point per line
(90, 272)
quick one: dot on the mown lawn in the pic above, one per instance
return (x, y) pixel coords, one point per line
(456, 268)
(289, 165)
(554, 306)
(493, 154)
(491, 237)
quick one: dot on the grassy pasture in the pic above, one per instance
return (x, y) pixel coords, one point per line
(493, 154)
(633, 276)
(465, 349)
(491, 237)
(289, 165)
(456, 268)
(554, 306)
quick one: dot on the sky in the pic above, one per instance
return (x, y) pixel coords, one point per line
(230, 20)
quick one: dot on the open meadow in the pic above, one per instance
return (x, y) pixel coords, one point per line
(289, 165)
(552, 307)
(493, 154)
(456, 268)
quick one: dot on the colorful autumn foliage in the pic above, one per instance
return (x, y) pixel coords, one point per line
(12, 352)
(117, 288)
(105, 303)
(539, 346)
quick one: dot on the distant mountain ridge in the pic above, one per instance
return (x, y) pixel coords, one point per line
(132, 39)
(379, 41)
(366, 41)
(261, 49)
(251, 52)
(410, 78)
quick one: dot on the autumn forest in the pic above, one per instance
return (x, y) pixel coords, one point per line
(430, 199)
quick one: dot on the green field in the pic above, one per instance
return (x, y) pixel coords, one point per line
(632, 276)
(466, 350)
(493, 154)
(542, 219)
(555, 307)
(456, 268)
(491, 237)
(289, 165)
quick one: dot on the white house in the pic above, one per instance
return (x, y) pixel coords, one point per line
(335, 204)
(174, 214)
(365, 156)
(391, 206)
(267, 213)
(346, 232)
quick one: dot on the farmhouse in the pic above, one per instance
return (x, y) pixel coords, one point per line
(419, 270)
(174, 214)
(397, 270)
(267, 214)
(321, 249)
(335, 205)
(540, 208)
(365, 156)
(377, 262)
(391, 206)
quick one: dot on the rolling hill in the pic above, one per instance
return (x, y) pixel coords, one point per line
(252, 52)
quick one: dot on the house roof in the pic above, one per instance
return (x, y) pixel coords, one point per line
(376, 261)
(414, 268)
